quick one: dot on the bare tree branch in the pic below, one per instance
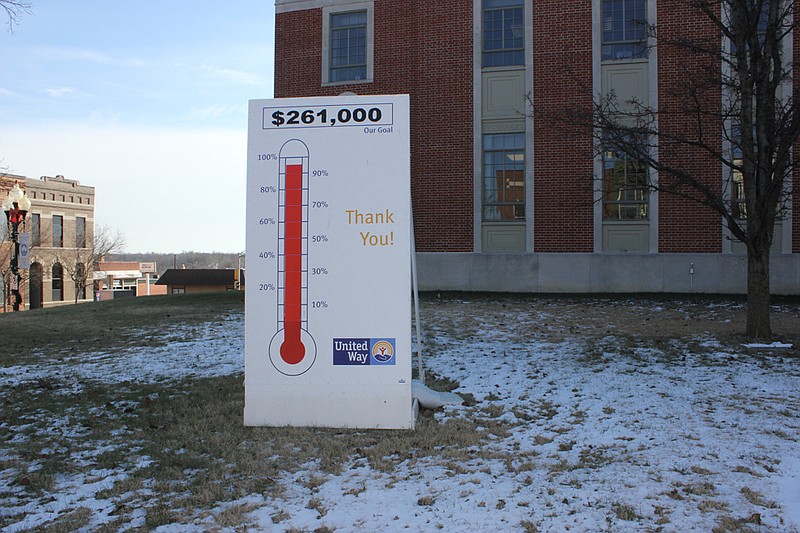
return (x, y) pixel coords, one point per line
(14, 10)
(80, 263)
(735, 106)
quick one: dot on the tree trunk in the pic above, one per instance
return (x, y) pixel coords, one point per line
(758, 295)
(77, 292)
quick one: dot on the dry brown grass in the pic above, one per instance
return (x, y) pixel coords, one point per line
(199, 451)
(107, 325)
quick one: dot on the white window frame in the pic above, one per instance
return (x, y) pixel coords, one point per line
(326, 41)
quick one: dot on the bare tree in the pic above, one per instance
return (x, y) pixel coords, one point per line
(6, 252)
(80, 263)
(15, 9)
(734, 106)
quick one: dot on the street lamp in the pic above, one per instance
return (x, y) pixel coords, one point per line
(16, 206)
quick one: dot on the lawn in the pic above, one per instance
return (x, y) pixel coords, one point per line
(634, 414)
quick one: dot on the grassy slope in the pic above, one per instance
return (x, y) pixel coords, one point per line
(105, 325)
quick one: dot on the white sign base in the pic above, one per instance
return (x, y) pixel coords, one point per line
(333, 406)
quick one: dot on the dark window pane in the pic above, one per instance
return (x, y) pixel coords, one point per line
(348, 55)
(626, 195)
(58, 231)
(80, 232)
(624, 30)
(504, 177)
(503, 34)
(57, 283)
(36, 231)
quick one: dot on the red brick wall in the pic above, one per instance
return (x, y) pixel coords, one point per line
(298, 53)
(425, 50)
(685, 226)
(563, 165)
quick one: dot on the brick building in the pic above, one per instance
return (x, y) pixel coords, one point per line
(503, 201)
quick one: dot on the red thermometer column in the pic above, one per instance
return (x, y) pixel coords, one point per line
(292, 349)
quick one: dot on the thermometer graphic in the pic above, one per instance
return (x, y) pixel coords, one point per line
(292, 350)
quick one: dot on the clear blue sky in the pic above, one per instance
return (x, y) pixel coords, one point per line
(147, 102)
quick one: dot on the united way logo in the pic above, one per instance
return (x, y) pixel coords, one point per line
(363, 351)
(382, 351)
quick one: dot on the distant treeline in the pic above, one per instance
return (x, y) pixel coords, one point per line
(183, 259)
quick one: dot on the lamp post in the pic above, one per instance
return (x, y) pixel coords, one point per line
(16, 206)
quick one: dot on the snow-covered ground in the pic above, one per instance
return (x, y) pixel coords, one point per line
(215, 348)
(611, 435)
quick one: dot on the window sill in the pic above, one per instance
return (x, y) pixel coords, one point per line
(503, 69)
(625, 60)
(348, 82)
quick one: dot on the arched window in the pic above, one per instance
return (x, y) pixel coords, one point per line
(35, 293)
(80, 281)
(58, 282)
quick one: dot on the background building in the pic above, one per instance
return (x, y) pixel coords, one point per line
(196, 280)
(61, 224)
(506, 202)
(115, 279)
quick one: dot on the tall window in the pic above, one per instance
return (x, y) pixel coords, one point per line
(58, 282)
(348, 46)
(738, 199)
(738, 202)
(626, 194)
(80, 232)
(624, 29)
(503, 33)
(504, 177)
(58, 231)
(761, 28)
(36, 229)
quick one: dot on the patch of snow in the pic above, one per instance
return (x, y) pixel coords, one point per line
(431, 399)
(775, 344)
(789, 490)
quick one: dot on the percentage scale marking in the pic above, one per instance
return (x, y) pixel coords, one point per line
(292, 350)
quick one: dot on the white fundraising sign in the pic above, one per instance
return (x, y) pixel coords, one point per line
(328, 293)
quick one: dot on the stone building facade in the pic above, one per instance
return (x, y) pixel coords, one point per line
(61, 224)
